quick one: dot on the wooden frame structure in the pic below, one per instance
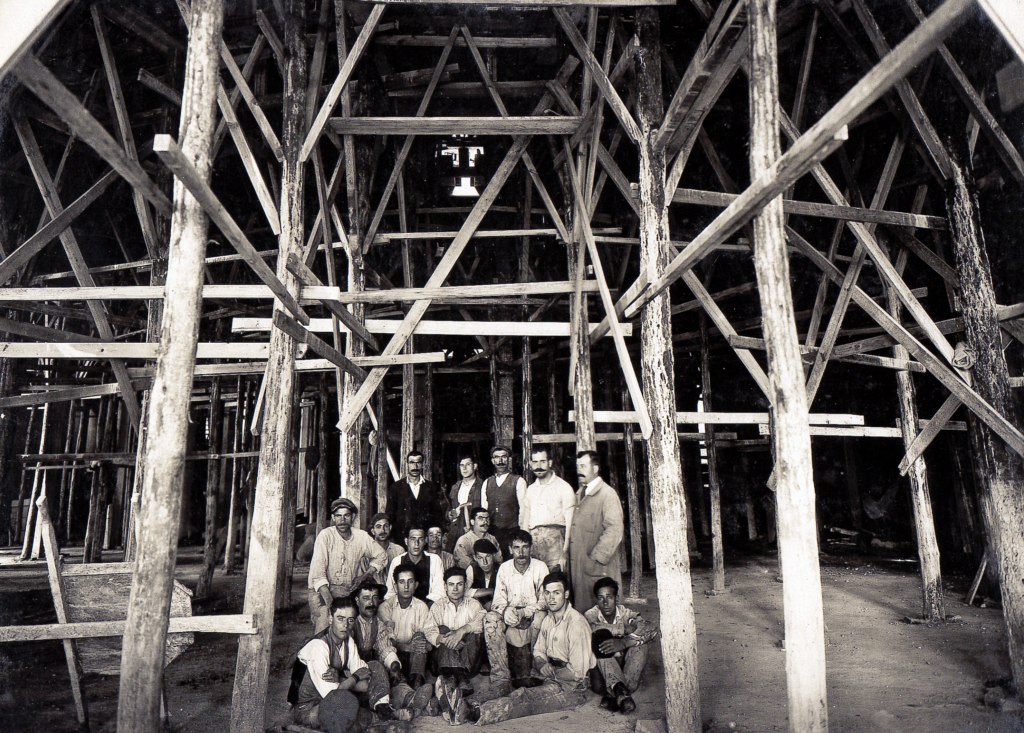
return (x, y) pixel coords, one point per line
(321, 99)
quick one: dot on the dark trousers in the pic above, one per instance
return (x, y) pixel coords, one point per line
(467, 658)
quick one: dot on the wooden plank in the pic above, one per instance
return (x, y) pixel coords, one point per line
(602, 80)
(171, 155)
(250, 100)
(122, 350)
(365, 34)
(276, 47)
(415, 41)
(301, 335)
(454, 125)
(625, 361)
(166, 91)
(824, 211)
(41, 81)
(723, 418)
(227, 624)
(135, 22)
(535, 3)
(249, 161)
(53, 228)
(24, 24)
(60, 604)
(74, 254)
(432, 327)
(846, 432)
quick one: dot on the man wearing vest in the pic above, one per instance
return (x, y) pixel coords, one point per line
(464, 495)
(502, 495)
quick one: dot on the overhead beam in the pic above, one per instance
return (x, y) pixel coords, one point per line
(455, 125)
(437, 328)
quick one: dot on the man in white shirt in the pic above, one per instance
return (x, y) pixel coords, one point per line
(502, 495)
(408, 631)
(546, 512)
(333, 665)
(429, 569)
(463, 496)
(517, 610)
(460, 619)
(343, 557)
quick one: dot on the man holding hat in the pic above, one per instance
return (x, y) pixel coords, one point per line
(343, 557)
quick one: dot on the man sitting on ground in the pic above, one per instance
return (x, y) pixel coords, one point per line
(407, 630)
(336, 678)
(366, 633)
(380, 530)
(517, 611)
(620, 637)
(482, 574)
(435, 546)
(562, 652)
(429, 570)
(480, 522)
(460, 620)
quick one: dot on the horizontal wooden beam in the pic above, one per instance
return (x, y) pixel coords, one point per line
(824, 211)
(436, 328)
(861, 431)
(534, 3)
(721, 438)
(119, 350)
(455, 125)
(233, 624)
(722, 418)
(481, 42)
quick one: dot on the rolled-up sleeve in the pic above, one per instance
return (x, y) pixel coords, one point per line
(581, 655)
(316, 655)
(377, 556)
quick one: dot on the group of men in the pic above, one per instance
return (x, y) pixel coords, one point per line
(482, 586)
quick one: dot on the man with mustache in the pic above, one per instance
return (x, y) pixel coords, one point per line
(546, 514)
(596, 532)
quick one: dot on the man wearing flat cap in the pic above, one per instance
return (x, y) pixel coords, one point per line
(343, 557)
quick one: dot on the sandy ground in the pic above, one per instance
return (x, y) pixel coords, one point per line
(884, 674)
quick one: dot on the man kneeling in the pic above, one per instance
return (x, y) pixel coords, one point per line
(620, 637)
(337, 680)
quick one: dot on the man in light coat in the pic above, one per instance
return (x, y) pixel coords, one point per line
(596, 532)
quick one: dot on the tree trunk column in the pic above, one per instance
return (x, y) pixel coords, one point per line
(999, 470)
(798, 543)
(248, 700)
(664, 467)
(142, 661)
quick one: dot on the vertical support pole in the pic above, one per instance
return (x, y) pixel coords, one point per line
(38, 479)
(383, 470)
(252, 670)
(212, 493)
(717, 550)
(798, 545)
(322, 509)
(524, 276)
(286, 550)
(142, 660)
(236, 477)
(664, 468)
(636, 547)
(428, 423)
(408, 406)
(997, 468)
(920, 495)
(554, 406)
(357, 185)
(74, 429)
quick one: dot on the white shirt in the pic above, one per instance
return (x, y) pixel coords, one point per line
(520, 590)
(591, 487)
(464, 490)
(414, 486)
(549, 502)
(469, 611)
(400, 624)
(316, 655)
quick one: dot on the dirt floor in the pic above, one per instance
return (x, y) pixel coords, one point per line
(884, 674)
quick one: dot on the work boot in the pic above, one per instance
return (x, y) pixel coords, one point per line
(383, 711)
(421, 698)
(623, 699)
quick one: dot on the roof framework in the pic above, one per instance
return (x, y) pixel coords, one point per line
(390, 270)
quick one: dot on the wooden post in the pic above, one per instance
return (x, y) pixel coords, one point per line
(248, 700)
(408, 408)
(24, 474)
(717, 550)
(999, 470)
(428, 424)
(554, 407)
(142, 660)
(37, 480)
(383, 470)
(524, 276)
(798, 545)
(322, 508)
(664, 468)
(636, 546)
(236, 477)
(74, 431)
(921, 499)
(286, 551)
(212, 493)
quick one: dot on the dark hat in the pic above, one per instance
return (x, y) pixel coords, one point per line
(484, 547)
(599, 636)
(343, 503)
(377, 517)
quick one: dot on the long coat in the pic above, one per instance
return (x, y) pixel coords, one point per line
(405, 510)
(594, 541)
